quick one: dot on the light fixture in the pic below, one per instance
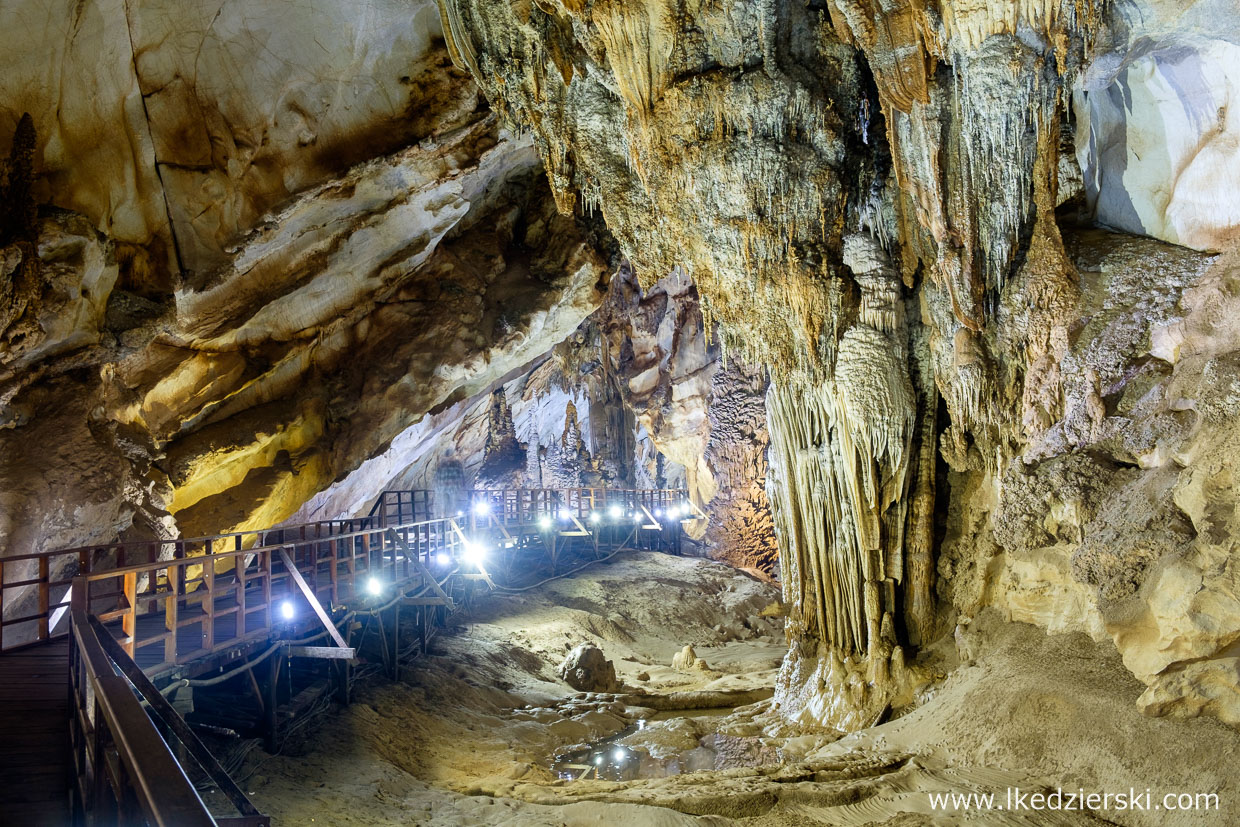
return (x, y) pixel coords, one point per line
(637, 518)
(658, 512)
(442, 559)
(286, 610)
(619, 755)
(544, 522)
(460, 513)
(615, 512)
(475, 554)
(374, 586)
(482, 508)
(595, 516)
(598, 759)
(565, 515)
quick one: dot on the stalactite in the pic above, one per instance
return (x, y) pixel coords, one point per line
(751, 180)
(843, 453)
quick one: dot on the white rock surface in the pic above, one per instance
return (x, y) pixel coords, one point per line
(1156, 140)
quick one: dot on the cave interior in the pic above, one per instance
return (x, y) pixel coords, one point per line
(563, 412)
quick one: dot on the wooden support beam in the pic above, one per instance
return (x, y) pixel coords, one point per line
(313, 600)
(413, 558)
(396, 641)
(273, 702)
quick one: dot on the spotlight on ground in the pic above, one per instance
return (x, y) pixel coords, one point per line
(615, 512)
(374, 586)
(287, 611)
(544, 522)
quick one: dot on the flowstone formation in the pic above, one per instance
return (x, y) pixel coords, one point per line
(865, 196)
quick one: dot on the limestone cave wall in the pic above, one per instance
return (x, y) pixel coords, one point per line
(205, 333)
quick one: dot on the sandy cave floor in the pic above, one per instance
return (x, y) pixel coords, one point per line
(468, 736)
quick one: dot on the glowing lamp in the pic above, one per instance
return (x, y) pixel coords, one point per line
(475, 554)
(615, 512)
(374, 586)
(287, 611)
(482, 508)
(544, 522)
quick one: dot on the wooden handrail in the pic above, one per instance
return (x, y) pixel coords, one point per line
(107, 716)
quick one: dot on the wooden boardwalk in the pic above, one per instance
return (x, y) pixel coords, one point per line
(34, 749)
(173, 610)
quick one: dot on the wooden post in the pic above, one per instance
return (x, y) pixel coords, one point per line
(396, 641)
(239, 569)
(44, 601)
(340, 670)
(170, 613)
(129, 620)
(273, 702)
(208, 605)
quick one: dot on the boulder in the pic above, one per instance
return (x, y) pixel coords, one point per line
(587, 669)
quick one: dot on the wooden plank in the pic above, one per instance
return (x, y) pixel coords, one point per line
(426, 601)
(331, 652)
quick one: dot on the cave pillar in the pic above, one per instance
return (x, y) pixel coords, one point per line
(843, 467)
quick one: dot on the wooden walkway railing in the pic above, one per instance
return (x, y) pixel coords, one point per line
(38, 584)
(124, 769)
(35, 588)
